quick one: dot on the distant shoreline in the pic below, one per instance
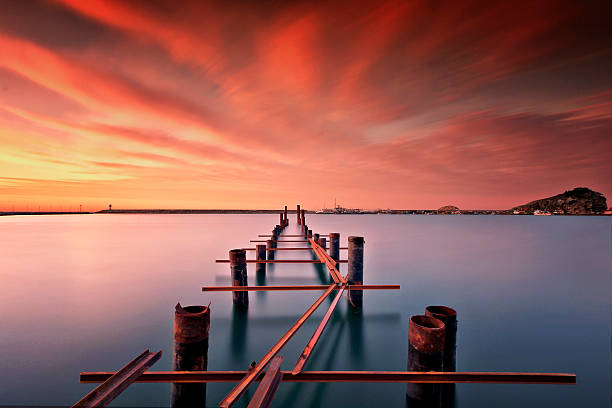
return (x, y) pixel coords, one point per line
(229, 212)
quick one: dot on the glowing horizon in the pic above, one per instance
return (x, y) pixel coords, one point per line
(257, 105)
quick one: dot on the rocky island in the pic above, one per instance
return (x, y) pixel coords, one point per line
(580, 200)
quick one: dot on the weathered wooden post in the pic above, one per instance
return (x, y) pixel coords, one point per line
(270, 248)
(315, 237)
(355, 269)
(282, 221)
(191, 325)
(303, 216)
(309, 233)
(323, 242)
(425, 353)
(299, 215)
(334, 246)
(448, 316)
(238, 268)
(286, 218)
(260, 251)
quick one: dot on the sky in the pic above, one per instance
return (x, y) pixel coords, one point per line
(258, 104)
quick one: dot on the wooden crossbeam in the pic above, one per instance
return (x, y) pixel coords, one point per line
(288, 249)
(241, 387)
(267, 261)
(348, 376)
(279, 240)
(292, 236)
(268, 386)
(292, 287)
(299, 365)
(114, 384)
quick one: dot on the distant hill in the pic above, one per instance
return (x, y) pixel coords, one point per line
(447, 209)
(580, 200)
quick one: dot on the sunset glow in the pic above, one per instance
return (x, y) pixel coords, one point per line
(251, 104)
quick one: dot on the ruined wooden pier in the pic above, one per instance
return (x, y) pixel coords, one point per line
(431, 340)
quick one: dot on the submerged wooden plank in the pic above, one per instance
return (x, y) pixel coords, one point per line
(350, 376)
(241, 387)
(268, 386)
(119, 381)
(293, 287)
(299, 365)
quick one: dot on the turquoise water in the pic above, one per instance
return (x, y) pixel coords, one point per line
(90, 292)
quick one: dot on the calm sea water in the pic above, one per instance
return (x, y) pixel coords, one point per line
(90, 292)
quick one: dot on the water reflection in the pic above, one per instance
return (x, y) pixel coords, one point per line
(240, 323)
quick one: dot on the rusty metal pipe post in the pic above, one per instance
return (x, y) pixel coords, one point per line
(303, 217)
(286, 217)
(309, 233)
(270, 249)
(299, 215)
(334, 247)
(238, 268)
(448, 316)
(323, 243)
(260, 253)
(426, 336)
(191, 326)
(355, 269)
(282, 220)
(315, 237)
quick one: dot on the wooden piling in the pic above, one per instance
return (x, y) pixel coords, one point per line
(270, 248)
(309, 233)
(303, 216)
(238, 268)
(316, 236)
(260, 253)
(323, 242)
(425, 353)
(191, 326)
(286, 218)
(282, 220)
(448, 316)
(334, 245)
(299, 215)
(355, 269)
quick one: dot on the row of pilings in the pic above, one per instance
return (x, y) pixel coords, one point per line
(431, 337)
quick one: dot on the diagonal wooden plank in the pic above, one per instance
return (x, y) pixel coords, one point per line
(299, 365)
(351, 377)
(241, 387)
(268, 386)
(114, 385)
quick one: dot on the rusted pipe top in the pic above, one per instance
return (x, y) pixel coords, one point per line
(444, 313)
(356, 240)
(191, 323)
(426, 334)
(334, 235)
(237, 256)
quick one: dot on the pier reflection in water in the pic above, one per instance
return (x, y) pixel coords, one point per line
(71, 283)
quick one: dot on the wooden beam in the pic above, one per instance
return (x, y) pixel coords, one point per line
(349, 376)
(325, 257)
(267, 261)
(292, 287)
(268, 386)
(241, 387)
(299, 365)
(280, 240)
(288, 249)
(119, 381)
